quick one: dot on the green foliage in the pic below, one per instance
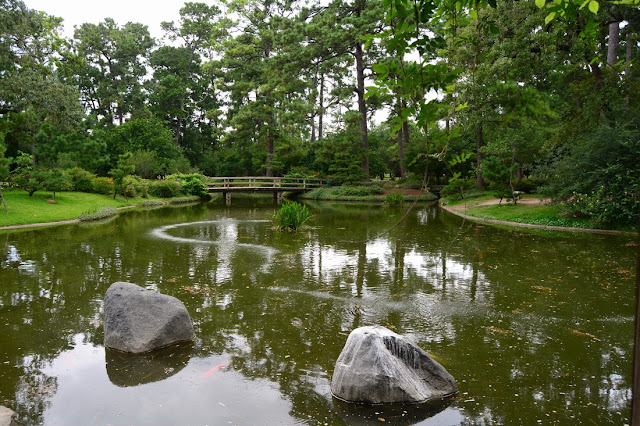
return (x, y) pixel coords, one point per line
(394, 199)
(102, 185)
(146, 164)
(291, 216)
(122, 170)
(457, 189)
(57, 180)
(341, 156)
(191, 184)
(133, 186)
(81, 179)
(164, 188)
(27, 177)
(599, 175)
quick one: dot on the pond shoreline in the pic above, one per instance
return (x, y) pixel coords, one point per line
(533, 226)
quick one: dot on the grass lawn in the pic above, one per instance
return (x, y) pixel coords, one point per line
(528, 210)
(541, 214)
(69, 205)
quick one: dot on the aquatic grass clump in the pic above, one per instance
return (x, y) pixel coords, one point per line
(394, 199)
(101, 213)
(153, 203)
(185, 199)
(291, 216)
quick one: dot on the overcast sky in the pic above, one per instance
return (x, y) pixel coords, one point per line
(77, 12)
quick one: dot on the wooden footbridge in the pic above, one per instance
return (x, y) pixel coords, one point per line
(275, 185)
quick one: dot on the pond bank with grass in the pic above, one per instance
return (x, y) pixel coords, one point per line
(375, 192)
(70, 207)
(529, 212)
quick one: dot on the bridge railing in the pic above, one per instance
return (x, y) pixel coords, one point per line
(262, 183)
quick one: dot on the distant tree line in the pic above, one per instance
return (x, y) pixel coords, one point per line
(509, 95)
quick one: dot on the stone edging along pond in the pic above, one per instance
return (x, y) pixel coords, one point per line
(532, 226)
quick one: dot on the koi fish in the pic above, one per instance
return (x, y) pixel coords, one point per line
(218, 367)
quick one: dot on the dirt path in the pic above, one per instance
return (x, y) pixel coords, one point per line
(494, 201)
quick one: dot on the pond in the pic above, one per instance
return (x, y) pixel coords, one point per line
(536, 328)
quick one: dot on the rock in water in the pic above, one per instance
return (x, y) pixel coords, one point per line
(378, 366)
(7, 416)
(137, 320)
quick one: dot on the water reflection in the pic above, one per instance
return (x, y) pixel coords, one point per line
(136, 369)
(402, 414)
(532, 327)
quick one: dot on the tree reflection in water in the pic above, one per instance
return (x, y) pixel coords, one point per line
(532, 326)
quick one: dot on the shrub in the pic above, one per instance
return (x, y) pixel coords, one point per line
(457, 189)
(291, 216)
(164, 188)
(102, 185)
(394, 199)
(82, 180)
(133, 186)
(192, 184)
(361, 190)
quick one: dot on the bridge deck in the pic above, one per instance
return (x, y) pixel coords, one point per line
(260, 183)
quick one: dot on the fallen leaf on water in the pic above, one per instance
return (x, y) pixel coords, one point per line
(545, 289)
(381, 419)
(499, 330)
(580, 333)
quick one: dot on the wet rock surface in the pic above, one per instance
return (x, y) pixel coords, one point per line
(137, 320)
(7, 416)
(378, 366)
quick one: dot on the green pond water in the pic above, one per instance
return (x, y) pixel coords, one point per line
(536, 328)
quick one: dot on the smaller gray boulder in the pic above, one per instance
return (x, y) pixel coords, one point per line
(378, 366)
(137, 320)
(7, 416)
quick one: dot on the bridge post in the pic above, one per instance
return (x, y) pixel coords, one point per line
(277, 196)
(227, 198)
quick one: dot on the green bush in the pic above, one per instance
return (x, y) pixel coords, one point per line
(133, 186)
(360, 190)
(456, 190)
(191, 184)
(291, 216)
(394, 199)
(102, 185)
(82, 180)
(164, 188)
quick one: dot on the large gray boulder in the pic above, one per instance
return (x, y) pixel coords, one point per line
(378, 366)
(7, 416)
(137, 320)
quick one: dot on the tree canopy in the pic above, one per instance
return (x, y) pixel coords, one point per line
(349, 90)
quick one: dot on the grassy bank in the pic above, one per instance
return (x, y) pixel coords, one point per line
(24, 210)
(371, 193)
(530, 209)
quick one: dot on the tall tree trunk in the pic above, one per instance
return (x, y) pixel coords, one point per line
(4, 203)
(614, 41)
(313, 114)
(405, 144)
(400, 152)
(270, 144)
(362, 106)
(321, 106)
(479, 145)
(178, 129)
(627, 69)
